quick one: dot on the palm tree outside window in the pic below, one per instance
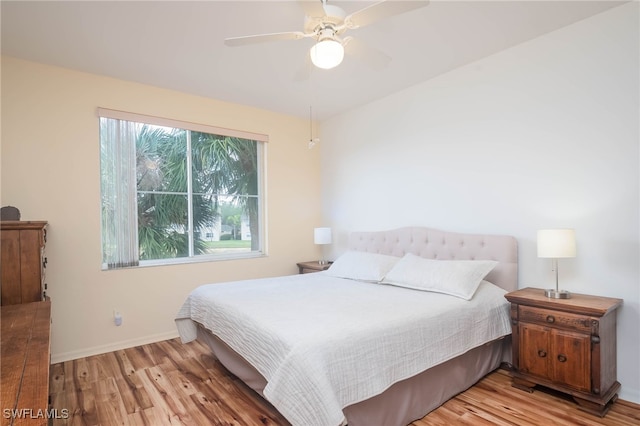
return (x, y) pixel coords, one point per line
(179, 192)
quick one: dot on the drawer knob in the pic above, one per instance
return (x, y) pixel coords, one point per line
(562, 358)
(542, 353)
(550, 319)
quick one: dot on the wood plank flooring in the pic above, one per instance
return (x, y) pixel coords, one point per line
(168, 383)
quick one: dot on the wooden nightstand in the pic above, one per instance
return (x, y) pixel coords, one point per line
(566, 344)
(312, 266)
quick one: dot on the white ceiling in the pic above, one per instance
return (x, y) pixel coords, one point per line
(179, 45)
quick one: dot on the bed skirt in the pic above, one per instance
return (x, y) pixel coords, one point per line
(403, 402)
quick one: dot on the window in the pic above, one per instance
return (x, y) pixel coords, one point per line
(176, 192)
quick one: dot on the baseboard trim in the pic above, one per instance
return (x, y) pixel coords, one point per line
(124, 344)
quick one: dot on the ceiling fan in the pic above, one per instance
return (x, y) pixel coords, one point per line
(327, 24)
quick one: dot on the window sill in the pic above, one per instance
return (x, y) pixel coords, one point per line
(184, 260)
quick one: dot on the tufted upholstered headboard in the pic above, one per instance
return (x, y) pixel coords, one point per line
(436, 244)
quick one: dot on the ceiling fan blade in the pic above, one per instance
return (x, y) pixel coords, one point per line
(263, 38)
(373, 57)
(381, 10)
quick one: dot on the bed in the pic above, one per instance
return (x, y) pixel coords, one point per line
(363, 343)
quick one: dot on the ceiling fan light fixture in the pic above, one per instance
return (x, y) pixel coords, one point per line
(327, 54)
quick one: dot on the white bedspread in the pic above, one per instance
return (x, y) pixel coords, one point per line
(323, 343)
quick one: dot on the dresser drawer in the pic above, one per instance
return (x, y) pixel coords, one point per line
(557, 319)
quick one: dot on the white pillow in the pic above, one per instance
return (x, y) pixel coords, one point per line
(363, 266)
(459, 278)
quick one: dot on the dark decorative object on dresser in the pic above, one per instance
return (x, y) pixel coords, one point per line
(9, 213)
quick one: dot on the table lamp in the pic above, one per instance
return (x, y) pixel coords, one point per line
(556, 244)
(322, 236)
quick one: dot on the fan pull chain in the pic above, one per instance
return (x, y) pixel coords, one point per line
(312, 141)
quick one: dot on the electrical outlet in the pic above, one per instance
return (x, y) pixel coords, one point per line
(117, 318)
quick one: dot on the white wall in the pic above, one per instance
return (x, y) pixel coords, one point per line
(51, 171)
(542, 135)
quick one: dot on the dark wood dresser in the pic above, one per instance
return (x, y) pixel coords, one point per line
(24, 366)
(22, 262)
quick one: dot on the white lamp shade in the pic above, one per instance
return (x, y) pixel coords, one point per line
(556, 243)
(322, 235)
(327, 54)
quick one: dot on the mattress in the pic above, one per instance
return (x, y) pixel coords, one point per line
(350, 340)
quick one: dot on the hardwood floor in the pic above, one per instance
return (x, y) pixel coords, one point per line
(168, 383)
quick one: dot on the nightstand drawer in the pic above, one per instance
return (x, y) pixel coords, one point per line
(556, 319)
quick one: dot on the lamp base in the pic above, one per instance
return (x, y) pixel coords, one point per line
(557, 294)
